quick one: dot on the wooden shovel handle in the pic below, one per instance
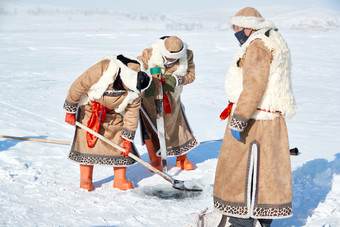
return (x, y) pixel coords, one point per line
(35, 139)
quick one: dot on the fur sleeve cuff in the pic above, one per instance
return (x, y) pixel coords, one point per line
(238, 123)
(128, 134)
(179, 80)
(70, 107)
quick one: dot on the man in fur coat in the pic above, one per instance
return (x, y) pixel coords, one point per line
(176, 62)
(106, 98)
(253, 174)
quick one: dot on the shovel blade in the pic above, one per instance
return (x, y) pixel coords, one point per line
(180, 185)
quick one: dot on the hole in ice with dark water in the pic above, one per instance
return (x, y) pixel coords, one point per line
(169, 193)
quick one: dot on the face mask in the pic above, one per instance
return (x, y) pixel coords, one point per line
(169, 63)
(241, 36)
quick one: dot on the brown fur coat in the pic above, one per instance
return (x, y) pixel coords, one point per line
(121, 119)
(253, 176)
(178, 134)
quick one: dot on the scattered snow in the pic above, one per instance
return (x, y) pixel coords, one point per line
(44, 47)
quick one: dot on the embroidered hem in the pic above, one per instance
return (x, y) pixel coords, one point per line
(91, 159)
(185, 148)
(260, 210)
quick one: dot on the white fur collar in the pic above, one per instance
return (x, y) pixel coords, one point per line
(156, 59)
(168, 54)
(97, 90)
(128, 100)
(251, 22)
(279, 94)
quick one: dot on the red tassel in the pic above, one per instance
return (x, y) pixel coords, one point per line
(166, 104)
(98, 114)
(226, 112)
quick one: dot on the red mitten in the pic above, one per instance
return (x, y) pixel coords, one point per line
(70, 118)
(127, 147)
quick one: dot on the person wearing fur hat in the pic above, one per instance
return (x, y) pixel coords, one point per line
(106, 98)
(171, 55)
(253, 175)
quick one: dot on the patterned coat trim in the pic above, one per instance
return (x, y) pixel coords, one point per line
(233, 209)
(181, 150)
(128, 134)
(90, 159)
(250, 207)
(70, 107)
(261, 210)
(272, 211)
(180, 80)
(113, 93)
(238, 123)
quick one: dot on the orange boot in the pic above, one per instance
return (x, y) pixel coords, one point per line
(184, 163)
(86, 177)
(155, 161)
(120, 181)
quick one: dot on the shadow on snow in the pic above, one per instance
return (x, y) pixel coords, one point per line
(311, 184)
(6, 144)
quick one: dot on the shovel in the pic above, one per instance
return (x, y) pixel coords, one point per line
(177, 184)
(157, 73)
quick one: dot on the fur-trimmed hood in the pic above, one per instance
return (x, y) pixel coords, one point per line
(117, 65)
(250, 18)
(131, 76)
(159, 50)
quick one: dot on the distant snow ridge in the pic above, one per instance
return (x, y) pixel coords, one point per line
(41, 10)
(308, 19)
(289, 18)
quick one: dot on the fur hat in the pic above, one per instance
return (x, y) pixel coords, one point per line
(131, 74)
(250, 18)
(173, 47)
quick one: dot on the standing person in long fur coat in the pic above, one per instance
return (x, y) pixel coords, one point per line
(177, 65)
(106, 98)
(253, 175)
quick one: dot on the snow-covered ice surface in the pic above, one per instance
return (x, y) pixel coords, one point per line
(45, 47)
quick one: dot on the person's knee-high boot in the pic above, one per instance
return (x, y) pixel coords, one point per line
(86, 172)
(184, 163)
(155, 161)
(119, 180)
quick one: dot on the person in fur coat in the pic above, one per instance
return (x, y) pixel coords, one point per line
(106, 98)
(171, 55)
(253, 175)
